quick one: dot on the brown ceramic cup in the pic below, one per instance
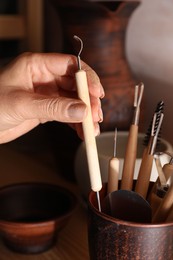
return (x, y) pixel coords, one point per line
(111, 238)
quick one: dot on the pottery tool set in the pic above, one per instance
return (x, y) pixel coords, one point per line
(129, 199)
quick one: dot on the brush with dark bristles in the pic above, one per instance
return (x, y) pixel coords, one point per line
(159, 110)
(144, 175)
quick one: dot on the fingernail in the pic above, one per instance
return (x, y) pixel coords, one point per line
(97, 129)
(77, 111)
(102, 92)
(100, 113)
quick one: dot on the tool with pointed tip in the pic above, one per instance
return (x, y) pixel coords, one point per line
(131, 148)
(113, 171)
(144, 175)
(88, 129)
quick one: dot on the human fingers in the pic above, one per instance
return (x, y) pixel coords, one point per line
(28, 105)
(78, 128)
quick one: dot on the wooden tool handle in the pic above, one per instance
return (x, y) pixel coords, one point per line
(162, 178)
(144, 175)
(130, 159)
(88, 130)
(168, 170)
(170, 216)
(164, 209)
(113, 174)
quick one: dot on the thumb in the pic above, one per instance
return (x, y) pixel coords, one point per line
(61, 109)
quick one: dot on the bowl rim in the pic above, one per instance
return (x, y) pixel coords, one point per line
(64, 190)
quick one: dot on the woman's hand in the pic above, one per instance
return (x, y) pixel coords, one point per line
(36, 88)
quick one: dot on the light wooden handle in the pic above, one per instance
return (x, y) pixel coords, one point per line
(162, 178)
(144, 175)
(130, 158)
(168, 170)
(113, 174)
(88, 130)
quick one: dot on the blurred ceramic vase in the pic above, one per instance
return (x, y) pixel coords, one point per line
(102, 27)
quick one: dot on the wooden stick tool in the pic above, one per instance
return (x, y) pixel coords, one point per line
(88, 129)
(131, 148)
(144, 175)
(168, 167)
(160, 187)
(113, 171)
(165, 207)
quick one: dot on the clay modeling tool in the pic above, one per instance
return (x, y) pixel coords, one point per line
(113, 171)
(144, 175)
(161, 185)
(131, 148)
(124, 204)
(88, 129)
(170, 216)
(161, 179)
(159, 110)
(159, 188)
(147, 143)
(127, 205)
(164, 209)
(168, 167)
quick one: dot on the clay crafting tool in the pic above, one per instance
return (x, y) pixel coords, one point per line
(161, 185)
(159, 188)
(88, 129)
(131, 148)
(170, 216)
(164, 209)
(127, 205)
(159, 110)
(113, 171)
(144, 175)
(168, 167)
(124, 204)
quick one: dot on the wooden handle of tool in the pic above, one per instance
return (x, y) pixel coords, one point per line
(88, 130)
(170, 216)
(164, 173)
(168, 170)
(153, 198)
(162, 178)
(130, 159)
(113, 174)
(155, 202)
(164, 209)
(144, 175)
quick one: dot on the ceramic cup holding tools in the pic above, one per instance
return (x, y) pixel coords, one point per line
(111, 238)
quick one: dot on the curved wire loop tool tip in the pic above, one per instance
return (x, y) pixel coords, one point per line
(80, 50)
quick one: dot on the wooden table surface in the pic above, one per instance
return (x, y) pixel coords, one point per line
(72, 240)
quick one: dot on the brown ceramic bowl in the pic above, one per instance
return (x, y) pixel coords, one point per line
(31, 214)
